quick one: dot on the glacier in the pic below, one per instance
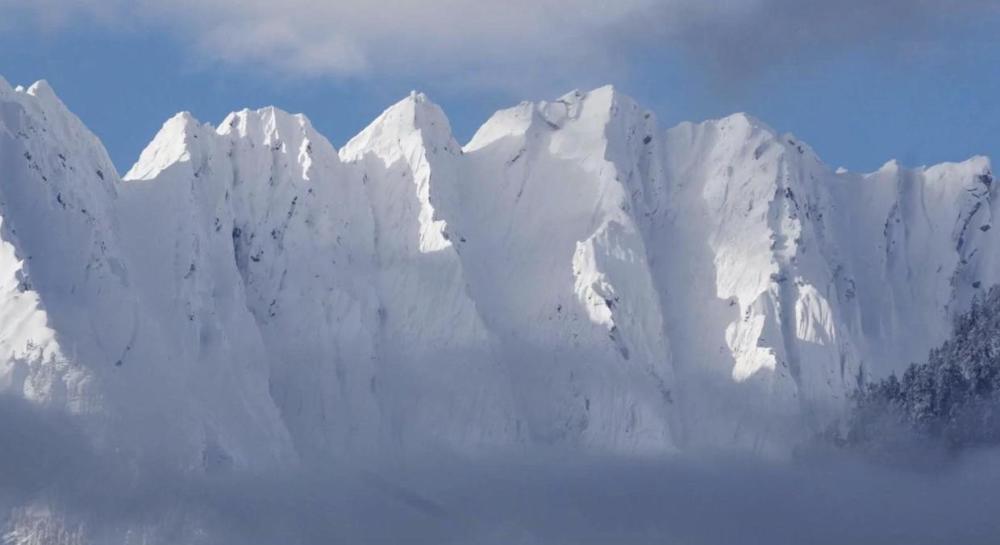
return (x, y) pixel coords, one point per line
(575, 276)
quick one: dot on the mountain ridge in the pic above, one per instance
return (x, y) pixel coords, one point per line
(573, 275)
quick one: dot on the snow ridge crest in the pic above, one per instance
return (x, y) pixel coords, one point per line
(574, 274)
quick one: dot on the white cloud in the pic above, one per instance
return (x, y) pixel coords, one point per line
(351, 38)
(491, 42)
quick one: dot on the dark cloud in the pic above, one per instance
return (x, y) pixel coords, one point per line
(739, 39)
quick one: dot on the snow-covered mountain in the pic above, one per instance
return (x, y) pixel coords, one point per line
(574, 276)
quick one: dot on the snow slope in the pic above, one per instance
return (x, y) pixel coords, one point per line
(80, 326)
(574, 276)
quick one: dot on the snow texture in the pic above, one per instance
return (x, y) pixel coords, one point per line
(247, 296)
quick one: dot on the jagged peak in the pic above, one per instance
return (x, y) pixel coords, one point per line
(890, 166)
(606, 94)
(607, 89)
(183, 137)
(975, 166)
(414, 115)
(597, 108)
(42, 90)
(558, 112)
(972, 172)
(42, 93)
(512, 121)
(745, 121)
(172, 144)
(418, 110)
(60, 124)
(796, 144)
(740, 129)
(47, 98)
(618, 103)
(418, 97)
(269, 121)
(606, 102)
(976, 162)
(982, 161)
(182, 120)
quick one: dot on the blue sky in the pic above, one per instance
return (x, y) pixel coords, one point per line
(908, 79)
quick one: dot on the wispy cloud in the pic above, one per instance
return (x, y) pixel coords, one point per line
(493, 42)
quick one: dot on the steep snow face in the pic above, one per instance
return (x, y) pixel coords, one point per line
(354, 294)
(778, 283)
(744, 238)
(430, 330)
(400, 304)
(935, 250)
(559, 270)
(253, 236)
(574, 275)
(77, 333)
(808, 280)
(46, 250)
(409, 135)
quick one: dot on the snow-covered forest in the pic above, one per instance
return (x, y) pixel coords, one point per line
(951, 401)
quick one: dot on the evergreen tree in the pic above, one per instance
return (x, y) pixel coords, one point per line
(951, 401)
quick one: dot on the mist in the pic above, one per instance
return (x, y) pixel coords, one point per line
(823, 495)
